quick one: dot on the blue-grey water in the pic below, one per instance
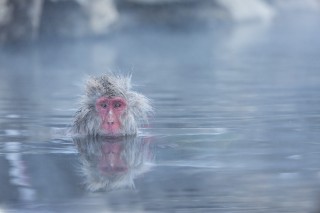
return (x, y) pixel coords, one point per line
(236, 125)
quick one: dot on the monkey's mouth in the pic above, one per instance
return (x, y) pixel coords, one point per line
(111, 129)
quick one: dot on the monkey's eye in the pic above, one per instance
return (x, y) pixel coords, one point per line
(104, 105)
(117, 105)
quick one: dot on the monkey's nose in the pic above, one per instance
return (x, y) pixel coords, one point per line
(110, 122)
(110, 118)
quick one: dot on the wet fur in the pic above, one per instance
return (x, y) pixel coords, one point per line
(87, 121)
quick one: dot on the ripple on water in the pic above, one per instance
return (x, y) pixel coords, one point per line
(41, 147)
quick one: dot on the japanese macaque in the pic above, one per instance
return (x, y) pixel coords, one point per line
(109, 107)
(108, 163)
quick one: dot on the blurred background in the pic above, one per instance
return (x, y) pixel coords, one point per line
(32, 20)
(234, 84)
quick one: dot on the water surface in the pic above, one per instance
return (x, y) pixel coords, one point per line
(236, 124)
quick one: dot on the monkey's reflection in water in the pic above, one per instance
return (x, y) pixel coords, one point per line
(113, 163)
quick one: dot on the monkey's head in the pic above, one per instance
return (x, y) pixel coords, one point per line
(110, 107)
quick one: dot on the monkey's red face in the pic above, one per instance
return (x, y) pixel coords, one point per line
(110, 111)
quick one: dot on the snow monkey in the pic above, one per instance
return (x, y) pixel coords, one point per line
(109, 107)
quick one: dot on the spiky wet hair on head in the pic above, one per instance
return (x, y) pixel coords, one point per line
(108, 85)
(111, 85)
